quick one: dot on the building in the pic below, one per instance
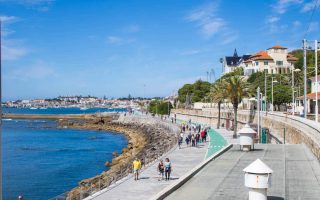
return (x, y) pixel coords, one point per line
(311, 97)
(275, 60)
(230, 63)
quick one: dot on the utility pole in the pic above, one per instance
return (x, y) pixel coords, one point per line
(305, 77)
(258, 109)
(265, 91)
(316, 76)
(0, 112)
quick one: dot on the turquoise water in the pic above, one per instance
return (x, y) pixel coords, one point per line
(61, 110)
(41, 161)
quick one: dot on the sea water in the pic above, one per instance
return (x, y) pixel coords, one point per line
(41, 161)
(61, 110)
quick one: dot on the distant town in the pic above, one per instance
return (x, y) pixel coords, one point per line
(82, 102)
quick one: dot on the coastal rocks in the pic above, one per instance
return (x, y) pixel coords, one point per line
(146, 141)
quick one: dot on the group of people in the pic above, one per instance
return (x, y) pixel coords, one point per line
(196, 135)
(164, 168)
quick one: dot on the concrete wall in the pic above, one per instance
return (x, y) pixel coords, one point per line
(298, 130)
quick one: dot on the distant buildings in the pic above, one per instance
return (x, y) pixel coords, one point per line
(275, 60)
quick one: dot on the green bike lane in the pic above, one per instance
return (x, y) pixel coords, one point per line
(217, 142)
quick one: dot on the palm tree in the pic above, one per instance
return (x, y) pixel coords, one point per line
(218, 94)
(236, 88)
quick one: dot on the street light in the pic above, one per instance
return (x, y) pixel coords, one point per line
(272, 91)
(293, 102)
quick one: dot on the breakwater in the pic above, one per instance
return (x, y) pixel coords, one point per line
(148, 139)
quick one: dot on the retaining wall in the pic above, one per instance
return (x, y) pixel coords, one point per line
(297, 129)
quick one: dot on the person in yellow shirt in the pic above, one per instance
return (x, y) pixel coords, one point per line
(136, 164)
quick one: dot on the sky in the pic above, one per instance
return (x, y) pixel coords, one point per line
(139, 47)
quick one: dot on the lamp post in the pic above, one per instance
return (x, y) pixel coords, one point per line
(316, 77)
(272, 91)
(293, 102)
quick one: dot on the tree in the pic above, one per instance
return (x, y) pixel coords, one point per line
(198, 91)
(236, 88)
(160, 107)
(217, 95)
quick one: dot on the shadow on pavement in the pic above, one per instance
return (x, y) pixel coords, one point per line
(275, 198)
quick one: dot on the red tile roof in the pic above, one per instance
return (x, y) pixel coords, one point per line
(291, 57)
(310, 96)
(278, 47)
(262, 55)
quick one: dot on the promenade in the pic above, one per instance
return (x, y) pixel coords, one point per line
(296, 175)
(182, 160)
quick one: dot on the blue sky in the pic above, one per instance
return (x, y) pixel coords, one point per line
(143, 47)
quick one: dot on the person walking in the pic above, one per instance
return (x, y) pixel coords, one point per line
(161, 170)
(136, 164)
(193, 141)
(167, 169)
(180, 141)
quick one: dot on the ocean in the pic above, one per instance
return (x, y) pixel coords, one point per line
(61, 110)
(41, 161)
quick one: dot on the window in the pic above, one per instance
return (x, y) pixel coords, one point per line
(279, 62)
(272, 71)
(276, 50)
(265, 62)
(257, 63)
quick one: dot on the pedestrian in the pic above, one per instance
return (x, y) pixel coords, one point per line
(187, 141)
(180, 141)
(193, 141)
(202, 135)
(197, 139)
(136, 164)
(168, 169)
(161, 170)
(143, 164)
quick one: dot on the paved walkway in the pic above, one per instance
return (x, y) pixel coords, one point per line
(296, 175)
(182, 160)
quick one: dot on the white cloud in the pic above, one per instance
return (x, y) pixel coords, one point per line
(229, 37)
(310, 5)
(314, 26)
(133, 28)
(40, 5)
(206, 18)
(38, 70)
(282, 6)
(13, 53)
(114, 40)
(296, 24)
(8, 19)
(272, 19)
(190, 52)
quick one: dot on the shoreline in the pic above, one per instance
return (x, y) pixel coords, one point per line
(145, 141)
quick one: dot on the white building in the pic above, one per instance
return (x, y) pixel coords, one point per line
(230, 63)
(275, 60)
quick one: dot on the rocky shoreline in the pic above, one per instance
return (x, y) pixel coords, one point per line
(146, 140)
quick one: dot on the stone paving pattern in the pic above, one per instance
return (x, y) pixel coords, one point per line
(296, 175)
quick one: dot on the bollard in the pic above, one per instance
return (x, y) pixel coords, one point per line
(258, 180)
